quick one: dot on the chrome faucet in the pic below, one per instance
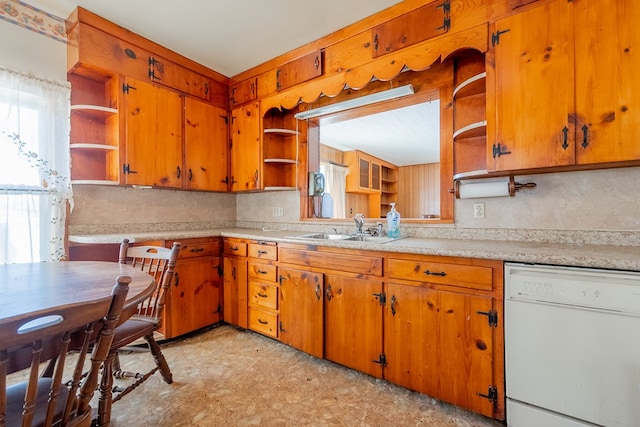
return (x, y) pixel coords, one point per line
(359, 219)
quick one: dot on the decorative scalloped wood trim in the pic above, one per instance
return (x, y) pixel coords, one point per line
(416, 58)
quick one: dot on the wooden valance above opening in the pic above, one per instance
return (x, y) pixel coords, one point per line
(416, 58)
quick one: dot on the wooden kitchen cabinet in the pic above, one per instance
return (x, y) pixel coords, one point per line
(245, 155)
(263, 288)
(153, 125)
(205, 146)
(301, 310)
(279, 150)
(556, 100)
(235, 292)
(195, 298)
(353, 323)
(364, 172)
(450, 310)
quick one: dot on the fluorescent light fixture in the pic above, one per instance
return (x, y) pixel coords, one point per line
(357, 102)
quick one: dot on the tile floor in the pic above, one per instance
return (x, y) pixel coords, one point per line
(228, 377)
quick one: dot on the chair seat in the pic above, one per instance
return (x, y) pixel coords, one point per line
(15, 401)
(131, 330)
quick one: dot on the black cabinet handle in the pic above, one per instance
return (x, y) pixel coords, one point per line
(434, 273)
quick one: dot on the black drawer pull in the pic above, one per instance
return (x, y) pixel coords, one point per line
(261, 295)
(262, 253)
(261, 271)
(433, 273)
(235, 248)
(263, 322)
(197, 250)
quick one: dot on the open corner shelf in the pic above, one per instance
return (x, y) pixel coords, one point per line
(93, 182)
(472, 86)
(471, 131)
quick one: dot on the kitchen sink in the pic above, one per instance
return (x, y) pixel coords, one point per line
(325, 236)
(365, 238)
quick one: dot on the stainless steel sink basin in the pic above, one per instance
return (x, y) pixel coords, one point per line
(325, 236)
(365, 238)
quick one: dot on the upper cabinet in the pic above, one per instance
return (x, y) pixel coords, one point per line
(143, 115)
(243, 92)
(152, 119)
(206, 147)
(606, 80)
(562, 93)
(245, 148)
(413, 27)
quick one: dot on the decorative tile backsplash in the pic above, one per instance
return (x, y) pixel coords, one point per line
(33, 19)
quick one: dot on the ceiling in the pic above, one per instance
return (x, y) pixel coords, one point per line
(229, 36)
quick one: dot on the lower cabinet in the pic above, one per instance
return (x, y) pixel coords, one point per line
(301, 306)
(195, 298)
(353, 309)
(429, 323)
(235, 283)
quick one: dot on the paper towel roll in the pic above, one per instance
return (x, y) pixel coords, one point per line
(470, 190)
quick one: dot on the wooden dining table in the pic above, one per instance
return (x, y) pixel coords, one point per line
(27, 289)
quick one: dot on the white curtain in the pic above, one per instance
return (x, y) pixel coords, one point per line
(335, 184)
(35, 183)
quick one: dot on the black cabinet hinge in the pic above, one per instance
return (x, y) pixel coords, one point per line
(382, 360)
(382, 298)
(499, 150)
(446, 21)
(492, 317)
(495, 37)
(492, 394)
(126, 88)
(126, 169)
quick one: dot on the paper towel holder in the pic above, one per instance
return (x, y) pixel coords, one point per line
(513, 187)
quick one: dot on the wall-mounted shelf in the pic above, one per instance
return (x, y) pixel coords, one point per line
(282, 131)
(279, 150)
(472, 130)
(97, 110)
(472, 86)
(93, 182)
(470, 114)
(89, 146)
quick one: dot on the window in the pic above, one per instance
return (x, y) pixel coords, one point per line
(34, 167)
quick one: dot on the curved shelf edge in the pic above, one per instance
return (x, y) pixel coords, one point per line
(469, 84)
(276, 188)
(470, 174)
(469, 130)
(281, 131)
(94, 108)
(283, 161)
(93, 182)
(92, 146)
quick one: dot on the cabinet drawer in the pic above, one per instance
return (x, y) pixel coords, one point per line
(263, 322)
(337, 261)
(263, 251)
(264, 272)
(263, 294)
(235, 248)
(190, 250)
(467, 276)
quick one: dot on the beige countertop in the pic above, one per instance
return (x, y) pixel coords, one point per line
(586, 255)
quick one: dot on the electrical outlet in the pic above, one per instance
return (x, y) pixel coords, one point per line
(277, 211)
(478, 210)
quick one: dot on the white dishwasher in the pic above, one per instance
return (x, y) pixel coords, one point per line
(572, 346)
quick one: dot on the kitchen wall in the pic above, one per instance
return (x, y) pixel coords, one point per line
(591, 200)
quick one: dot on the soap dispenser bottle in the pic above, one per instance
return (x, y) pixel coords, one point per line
(393, 222)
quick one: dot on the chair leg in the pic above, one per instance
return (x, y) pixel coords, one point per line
(158, 357)
(106, 395)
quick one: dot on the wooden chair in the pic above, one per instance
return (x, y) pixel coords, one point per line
(47, 336)
(145, 320)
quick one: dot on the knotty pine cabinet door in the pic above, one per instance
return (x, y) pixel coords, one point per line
(246, 159)
(533, 89)
(195, 300)
(235, 291)
(607, 45)
(205, 146)
(353, 323)
(301, 310)
(153, 126)
(451, 344)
